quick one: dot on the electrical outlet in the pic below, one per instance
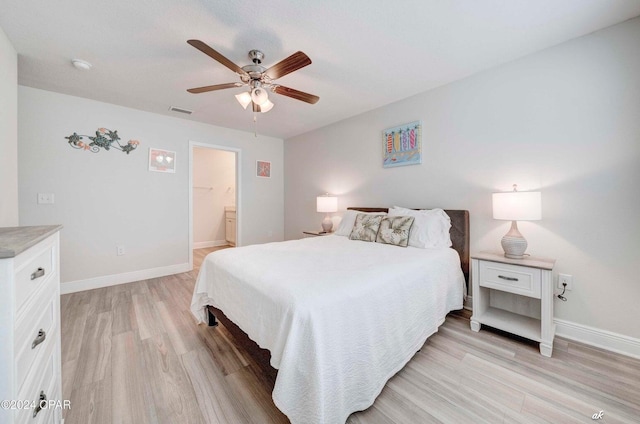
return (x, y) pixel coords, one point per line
(120, 250)
(46, 198)
(565, 278)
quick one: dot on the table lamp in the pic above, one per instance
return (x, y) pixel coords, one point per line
(327, 204)
(516, 206)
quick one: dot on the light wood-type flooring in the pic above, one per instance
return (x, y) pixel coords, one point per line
(133, 354)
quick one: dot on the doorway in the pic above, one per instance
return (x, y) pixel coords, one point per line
(214, 196)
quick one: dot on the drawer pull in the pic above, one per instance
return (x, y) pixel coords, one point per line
(39, 338)
(42, 398)
(37, 274)
(507, 278)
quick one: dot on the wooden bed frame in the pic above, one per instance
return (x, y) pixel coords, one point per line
(460, 242)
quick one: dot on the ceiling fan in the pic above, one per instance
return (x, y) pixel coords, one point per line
(258, 78)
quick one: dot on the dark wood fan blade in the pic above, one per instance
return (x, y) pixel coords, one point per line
(217, 56)
(286, 66)
(214, 87)
(295, 94)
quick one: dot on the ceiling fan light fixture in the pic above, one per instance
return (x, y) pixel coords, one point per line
(257, 78)
(244, 99)
(259, 96)
(266, 106)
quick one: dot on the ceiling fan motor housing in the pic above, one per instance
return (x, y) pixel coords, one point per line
(254, 71)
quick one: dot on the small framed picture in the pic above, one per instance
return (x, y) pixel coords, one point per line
(162, 160)
(402, 145)
(263, 169)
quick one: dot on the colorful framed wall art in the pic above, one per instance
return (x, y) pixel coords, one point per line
(263, 169)
(162, 160)
(402, 145)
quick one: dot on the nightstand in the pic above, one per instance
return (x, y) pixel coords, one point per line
(514, 295)
(315, 233)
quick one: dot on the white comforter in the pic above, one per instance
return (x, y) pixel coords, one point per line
(340, 317)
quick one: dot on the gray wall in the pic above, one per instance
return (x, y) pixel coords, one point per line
(8, 133)
(564, 121)
(107, 199)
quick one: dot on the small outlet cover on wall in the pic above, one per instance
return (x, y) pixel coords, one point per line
(565, 278)
(120, 250)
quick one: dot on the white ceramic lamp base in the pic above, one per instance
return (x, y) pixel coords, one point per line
(513, 244)
(327, 224)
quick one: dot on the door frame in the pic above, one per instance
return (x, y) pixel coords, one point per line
(238, 152)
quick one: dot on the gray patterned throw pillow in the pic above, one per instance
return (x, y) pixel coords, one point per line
(366, 227)
(395, 230)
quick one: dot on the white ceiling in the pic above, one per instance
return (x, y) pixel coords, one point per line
(365, 53)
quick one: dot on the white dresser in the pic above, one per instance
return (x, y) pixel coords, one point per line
(30, 362)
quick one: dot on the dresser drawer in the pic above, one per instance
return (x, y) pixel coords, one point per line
(35, 269)
(516, 279)
(33, 336)
(44, 381)
(230, 215)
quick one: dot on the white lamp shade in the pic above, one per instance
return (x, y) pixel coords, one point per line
(517, 206)
(259, 96)
(266, 106)
(244, 99)
(327, 203)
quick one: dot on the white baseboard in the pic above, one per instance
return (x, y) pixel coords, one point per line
(126, 277)
(604, 339)
(468, 303)
(214, 243)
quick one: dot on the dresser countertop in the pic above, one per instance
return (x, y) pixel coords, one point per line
(15, 240)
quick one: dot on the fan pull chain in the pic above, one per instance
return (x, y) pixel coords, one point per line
(255, 125)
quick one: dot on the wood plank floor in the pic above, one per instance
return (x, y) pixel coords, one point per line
(133, 354)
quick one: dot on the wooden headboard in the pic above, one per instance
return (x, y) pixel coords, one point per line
(459, 234)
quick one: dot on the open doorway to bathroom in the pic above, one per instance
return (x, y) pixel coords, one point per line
(213, 198)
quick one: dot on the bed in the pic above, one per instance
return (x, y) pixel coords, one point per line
(329, 319)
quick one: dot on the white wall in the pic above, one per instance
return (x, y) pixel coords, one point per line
(214, 182)
(565, 121)
(107, 199)
(8, 133)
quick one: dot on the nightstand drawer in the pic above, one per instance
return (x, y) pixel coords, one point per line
(520, 280)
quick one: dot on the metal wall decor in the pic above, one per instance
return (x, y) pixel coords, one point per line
(104, 138)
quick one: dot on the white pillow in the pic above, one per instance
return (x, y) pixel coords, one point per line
(430, 227)
(349, 220)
